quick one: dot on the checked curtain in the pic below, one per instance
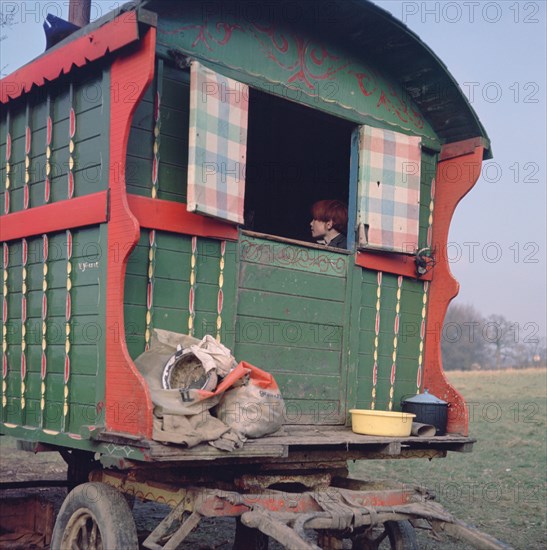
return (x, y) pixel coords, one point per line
(388, 190)
(219, 108)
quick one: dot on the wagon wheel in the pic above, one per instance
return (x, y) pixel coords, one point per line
(94, 516)
(395, 535)
(247, 538)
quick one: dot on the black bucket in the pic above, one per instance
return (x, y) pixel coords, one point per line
(428, 410)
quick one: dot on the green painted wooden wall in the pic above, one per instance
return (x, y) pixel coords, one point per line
(52, 401)
(54, 394)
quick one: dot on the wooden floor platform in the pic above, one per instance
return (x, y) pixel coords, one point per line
(308, 442)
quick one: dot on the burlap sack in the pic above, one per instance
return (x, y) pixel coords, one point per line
(255, 408)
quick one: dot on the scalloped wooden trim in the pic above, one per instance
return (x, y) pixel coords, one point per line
(78, 52)
(128, 401)
(450, 191)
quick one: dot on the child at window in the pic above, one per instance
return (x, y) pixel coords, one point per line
(329, 223)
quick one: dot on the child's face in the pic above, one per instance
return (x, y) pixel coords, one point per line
(319, 228)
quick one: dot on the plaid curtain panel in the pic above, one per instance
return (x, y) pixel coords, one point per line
(219, 108)
(389, 190)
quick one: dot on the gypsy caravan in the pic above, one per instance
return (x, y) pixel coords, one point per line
(158, 170)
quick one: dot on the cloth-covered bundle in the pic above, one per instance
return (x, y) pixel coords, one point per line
(246, 403)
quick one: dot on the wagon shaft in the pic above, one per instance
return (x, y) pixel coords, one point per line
(341, 508)
(332, 513)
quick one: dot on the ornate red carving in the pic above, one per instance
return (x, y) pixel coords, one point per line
(313, 62)
(305, 61)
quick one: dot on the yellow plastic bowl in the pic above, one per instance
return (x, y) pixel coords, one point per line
(382, 423)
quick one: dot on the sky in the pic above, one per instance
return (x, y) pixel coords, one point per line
(496, 51)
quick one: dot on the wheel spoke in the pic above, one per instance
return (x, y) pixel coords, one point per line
(93, 537)
(84, 535)
(79, 537)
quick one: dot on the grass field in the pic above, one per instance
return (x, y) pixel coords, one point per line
(501, 486)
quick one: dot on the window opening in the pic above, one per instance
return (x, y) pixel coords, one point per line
(295, 156)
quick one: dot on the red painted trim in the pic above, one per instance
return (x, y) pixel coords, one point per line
(444, 287)
(173, 216)
(110, 37)
(128, 402)
(399, 264)
(58, 216)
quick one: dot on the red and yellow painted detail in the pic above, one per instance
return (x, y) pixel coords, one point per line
(43, 365)
(376, 340)
(192, 291)
(49, 137)
(8, 169)
(24, 260)
(150, 288)
(220, 296)
(28, 141)
(5, 252)
(68, 315)
(156, 146)
(71, 148)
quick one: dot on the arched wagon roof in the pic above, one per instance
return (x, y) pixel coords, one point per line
(390, 44)
(360, 26)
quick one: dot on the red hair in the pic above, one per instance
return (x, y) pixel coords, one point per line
(327, 210)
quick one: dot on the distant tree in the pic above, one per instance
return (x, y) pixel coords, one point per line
(503, 338)
(462, 344)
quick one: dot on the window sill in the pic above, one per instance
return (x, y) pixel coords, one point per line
(296, 242)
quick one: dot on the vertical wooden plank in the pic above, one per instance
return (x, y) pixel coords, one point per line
(375, 353)
(353, 188)
(354, 306)
(396, 324)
